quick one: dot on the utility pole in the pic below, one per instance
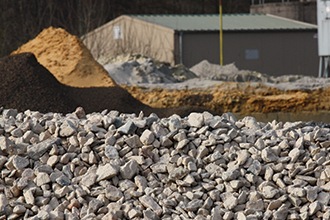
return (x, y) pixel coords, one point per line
(220, 33)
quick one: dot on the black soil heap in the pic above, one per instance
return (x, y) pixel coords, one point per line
(25, 84)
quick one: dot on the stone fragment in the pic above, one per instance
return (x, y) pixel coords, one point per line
(324, 198)
(128, 128)
(242, 156)
(106, 171)
(178, 173)
(94, 205)
(129, 169)
(314, 207)
(312, 193)
(230, 174)
(196, 119)
(268, 155)
(61, 192)
(150, 215)
(3, 202)
(274, 204)
(20, 162)
(89, 178)
(18, 209)
(35, 151)
(147, 137)
(7, 113)
(113, 193)
(159, 168)
(294, 154)
(229, 200)
(281, 213)
(251, 122)
(194, 205)
(326, 187)
(182, 144)
(42, 178)
(52, 160)
(111, 152)
(134, 213)
(255, 167)
(67, 129)
(29, 197)
(149, 202)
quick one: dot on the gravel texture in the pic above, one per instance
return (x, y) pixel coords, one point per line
(109, 165)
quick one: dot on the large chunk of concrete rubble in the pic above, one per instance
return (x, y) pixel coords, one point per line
(226, 168)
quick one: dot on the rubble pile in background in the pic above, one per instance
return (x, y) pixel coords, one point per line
(141, 70)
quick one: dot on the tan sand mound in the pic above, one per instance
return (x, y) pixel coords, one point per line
(67, 58)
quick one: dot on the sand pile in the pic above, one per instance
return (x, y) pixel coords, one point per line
(65, 56)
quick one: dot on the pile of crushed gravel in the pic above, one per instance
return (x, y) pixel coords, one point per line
(110, 165)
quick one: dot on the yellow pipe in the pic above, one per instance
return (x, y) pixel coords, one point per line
(220, 33)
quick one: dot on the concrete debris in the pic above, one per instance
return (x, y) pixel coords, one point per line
(126, 166)
(138, 70)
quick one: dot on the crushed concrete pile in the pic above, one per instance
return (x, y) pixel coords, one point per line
(137, 69)
(119, 166)
(65, 56)
(229, 72)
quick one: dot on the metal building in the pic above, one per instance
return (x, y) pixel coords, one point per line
(323, 20)
(260, 42)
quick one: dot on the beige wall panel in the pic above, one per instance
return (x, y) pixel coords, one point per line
(128, 35)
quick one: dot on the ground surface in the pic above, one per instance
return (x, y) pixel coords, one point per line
(144, 82)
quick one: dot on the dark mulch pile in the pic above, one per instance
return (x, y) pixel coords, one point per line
(25, 84)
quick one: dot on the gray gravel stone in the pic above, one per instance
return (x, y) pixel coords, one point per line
(149, 202)
(106, 171)
(20, 162)
(129, 169)
(35, 151)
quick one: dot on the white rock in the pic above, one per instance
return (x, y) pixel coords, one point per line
(196, 120)
(147, 137)
(229, 200)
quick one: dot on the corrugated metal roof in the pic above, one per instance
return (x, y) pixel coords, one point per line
(231, 22)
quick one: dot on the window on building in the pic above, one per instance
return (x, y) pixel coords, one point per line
(117, 32)
(252, 54)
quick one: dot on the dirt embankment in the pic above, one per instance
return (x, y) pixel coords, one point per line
(236, 97)
(67, 58)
